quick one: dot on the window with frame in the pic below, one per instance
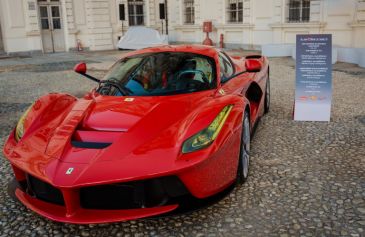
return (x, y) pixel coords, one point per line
(299, 11)
(226, 67)
(189, 12)
(135, 12)
(235, 11)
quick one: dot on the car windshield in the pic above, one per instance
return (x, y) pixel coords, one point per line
(159, 74)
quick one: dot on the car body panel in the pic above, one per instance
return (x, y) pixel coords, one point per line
(144, 137)
(82, 216)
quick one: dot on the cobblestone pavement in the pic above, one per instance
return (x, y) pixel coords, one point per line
(306, 178)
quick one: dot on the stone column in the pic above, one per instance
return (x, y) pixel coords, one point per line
(360, 11)
(151, 13)
(99, 24)
(32, 27)
(248, 23)
(198, 18)
(315, 10)
(358, 25)
(247, 10)
(69, 24)
(278, 18)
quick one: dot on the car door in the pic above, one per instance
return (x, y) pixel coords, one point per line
(230, 85)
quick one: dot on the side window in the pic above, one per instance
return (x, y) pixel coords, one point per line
(226, 67)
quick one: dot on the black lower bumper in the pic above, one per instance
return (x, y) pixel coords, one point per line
(130, 195)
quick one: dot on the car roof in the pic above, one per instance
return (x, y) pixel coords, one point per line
(197, 49)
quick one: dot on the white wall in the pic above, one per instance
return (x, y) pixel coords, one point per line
(96, 23)
(265, 22)
(1, 36)
(17, 23)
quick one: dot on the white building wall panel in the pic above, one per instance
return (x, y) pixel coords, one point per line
(96, 24)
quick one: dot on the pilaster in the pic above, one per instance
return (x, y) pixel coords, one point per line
(98, 24)
(315, 10)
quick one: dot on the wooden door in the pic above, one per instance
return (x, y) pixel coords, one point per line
(52, 31)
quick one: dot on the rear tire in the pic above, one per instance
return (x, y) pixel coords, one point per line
(244, 156)
(267, 94)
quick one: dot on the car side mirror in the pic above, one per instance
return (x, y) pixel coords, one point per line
(253, 65)
(80, 68)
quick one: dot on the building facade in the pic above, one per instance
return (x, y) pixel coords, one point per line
(253, 23)
(63, 25)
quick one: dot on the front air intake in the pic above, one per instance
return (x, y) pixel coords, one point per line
(132, 195)
(43, 191)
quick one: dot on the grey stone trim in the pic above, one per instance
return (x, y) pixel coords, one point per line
(226, 45)
(74, 49)
(24, 53)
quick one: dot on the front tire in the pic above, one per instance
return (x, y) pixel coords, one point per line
(244, 157)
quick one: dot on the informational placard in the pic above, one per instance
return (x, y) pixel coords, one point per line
(313, 92)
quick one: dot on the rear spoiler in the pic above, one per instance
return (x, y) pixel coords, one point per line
(254, 56)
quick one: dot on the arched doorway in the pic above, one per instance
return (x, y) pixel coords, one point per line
(52, 28)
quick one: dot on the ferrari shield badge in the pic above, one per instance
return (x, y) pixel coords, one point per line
(69, 171)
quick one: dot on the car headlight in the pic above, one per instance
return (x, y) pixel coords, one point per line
(19, 130)
(205, 137)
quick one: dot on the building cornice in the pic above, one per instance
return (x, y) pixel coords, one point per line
(188, 27)
(299, 25)
(357, 24)
(234, 26)
(73, 31)
(217, 27)
(33, 33)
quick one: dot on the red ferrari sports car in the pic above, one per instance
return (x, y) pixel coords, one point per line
(164, 123)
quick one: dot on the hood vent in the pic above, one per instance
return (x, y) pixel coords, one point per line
(93, 139)
(90, 145)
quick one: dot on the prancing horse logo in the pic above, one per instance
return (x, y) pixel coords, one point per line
(69, 171)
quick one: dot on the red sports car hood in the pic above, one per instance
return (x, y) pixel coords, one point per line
(122, 120)
(121, 114)
(142, 131)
